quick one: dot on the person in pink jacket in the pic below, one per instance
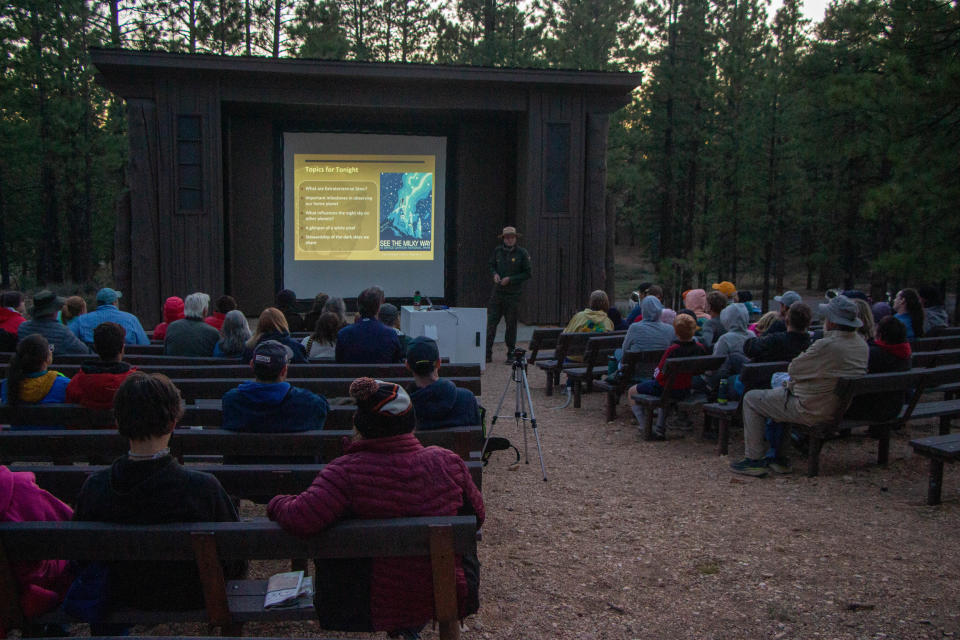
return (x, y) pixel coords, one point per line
(42, 584)
(384, 473)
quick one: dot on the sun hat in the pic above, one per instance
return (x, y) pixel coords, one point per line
(509, 231)
(841, 310)
(46, 302)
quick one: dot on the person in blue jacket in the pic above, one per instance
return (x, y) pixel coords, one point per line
(107, 311)
(438, 403)
(270, 404)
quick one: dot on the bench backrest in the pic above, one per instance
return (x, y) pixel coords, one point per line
(232, 369)
(543, 339)
(210, 543)
(204, 388)
(937, 343)
(575, 343)
(81, 445)
(692, 365)
(255, 482)
(599, 348)
(935, 358)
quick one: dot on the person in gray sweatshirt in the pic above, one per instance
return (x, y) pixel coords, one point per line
(649, 334)
(734, 318)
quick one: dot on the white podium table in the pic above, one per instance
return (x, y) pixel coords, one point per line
(460, 332)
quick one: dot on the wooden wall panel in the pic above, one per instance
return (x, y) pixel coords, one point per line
(595, 229)
(142, 177)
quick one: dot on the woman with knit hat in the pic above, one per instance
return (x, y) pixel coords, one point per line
(384, 473)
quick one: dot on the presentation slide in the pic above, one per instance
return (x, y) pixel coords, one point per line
(361, 210)
(364, 207)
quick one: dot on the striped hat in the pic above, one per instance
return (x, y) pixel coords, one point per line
(383, 408)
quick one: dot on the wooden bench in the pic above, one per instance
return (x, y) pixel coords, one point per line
(598, 350)
(230, 604)
(725, 415)
(192, 389)
(568, 344)
(154, 348)
(928, 359)
(939, 449)
(243, 371)
(542, 343)
(673, 367)
(937, 343)
(254, 482)
(60, 359)
(62, 445)
(633, 366)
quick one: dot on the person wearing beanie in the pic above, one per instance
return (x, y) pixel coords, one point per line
(808, 397)
(172, 311)
(270, 404)
(107, 311)
(439, 403)
(683, 347)
(43, 320)
(98, 380)
(385, 473)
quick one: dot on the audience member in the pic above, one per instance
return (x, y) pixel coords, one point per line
(637, 297)
(310, 320)
(909, 311)
(783, 345)
(727, 288)
(649, 334)
(44, 321)
(889, 352)
(98, 380)
(594, 318)
(191, 336)
(28, 379)
(13, 311)
(234, 335)
(696, 300)
(653, 290)
(667, 316)
(172, 311)
(619, 324)
(368, 341)
(73, 307)
(808, 397)
(713, 328)
(865, 314)
(389, 315)
(225, 304)
(322, 344)
(856, 294)
(935, 315)
(40, 585)
(270, 404)
(746, 299)
(785, 300)
(683, 347)
(272, 325)
(438, 403)
(384, 473)
(734, 318)
(148, 486)
(880, 311)
(107, 311)
(287, 303)
(336, 305)
(762, 326)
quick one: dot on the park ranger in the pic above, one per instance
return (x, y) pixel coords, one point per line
(510, 267)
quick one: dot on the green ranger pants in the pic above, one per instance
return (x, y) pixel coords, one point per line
(502, 305)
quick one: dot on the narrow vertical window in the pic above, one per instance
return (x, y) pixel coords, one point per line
(557, 179)
(189, 168)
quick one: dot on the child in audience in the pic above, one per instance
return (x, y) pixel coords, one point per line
(761, 326)
(322, 344)
(28, 379)
(225, 304)
(73, 307)
(98, 380)
(149, 486)
(684, 346)
(384, 473)
(41, 584)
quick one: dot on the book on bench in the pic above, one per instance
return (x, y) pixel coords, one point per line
(290, 589)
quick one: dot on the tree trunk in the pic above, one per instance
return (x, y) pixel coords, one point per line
(247, 18)
(50, 262)
(277, 10)
(115, 23)
(4, 257)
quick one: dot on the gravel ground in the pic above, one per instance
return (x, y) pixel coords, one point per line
(633, 539)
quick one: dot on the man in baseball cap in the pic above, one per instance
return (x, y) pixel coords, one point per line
(510, 267)
(270, 404)
(808, 397)
(438, 403)
(107, 311)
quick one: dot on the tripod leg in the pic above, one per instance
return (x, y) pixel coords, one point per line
(533, 423)
(521, 415)
(496, 414)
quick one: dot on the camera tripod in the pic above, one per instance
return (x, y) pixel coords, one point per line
(518, 379)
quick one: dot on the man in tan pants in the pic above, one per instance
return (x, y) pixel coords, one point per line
(808, 398)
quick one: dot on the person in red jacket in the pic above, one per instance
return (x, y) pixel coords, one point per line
(225, 304)
(42, 584)
(172, 311)
(384, 473)
(98, 380)
(13, 311)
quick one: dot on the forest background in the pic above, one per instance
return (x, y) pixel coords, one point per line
(760, 146)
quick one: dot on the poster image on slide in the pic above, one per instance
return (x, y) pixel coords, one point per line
(406, 211)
